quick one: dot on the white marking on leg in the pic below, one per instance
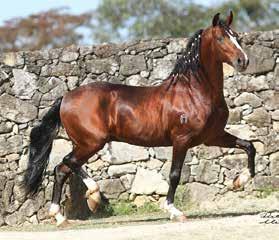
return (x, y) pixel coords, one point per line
(244, 177)
(91, 184)
(59, 219)
(54, 209)
(174, 212)
(232, 38)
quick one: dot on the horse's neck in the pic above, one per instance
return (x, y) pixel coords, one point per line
(212, 71)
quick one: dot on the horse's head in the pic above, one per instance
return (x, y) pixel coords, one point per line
(225, 43)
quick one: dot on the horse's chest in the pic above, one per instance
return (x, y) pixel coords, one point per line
(217, 120)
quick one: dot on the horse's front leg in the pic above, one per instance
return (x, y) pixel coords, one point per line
(230, 141)
(179, 153)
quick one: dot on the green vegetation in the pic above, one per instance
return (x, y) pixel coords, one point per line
(265, 192)
(125, 208)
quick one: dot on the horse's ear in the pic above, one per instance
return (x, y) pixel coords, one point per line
(229, 19)
(216, 20)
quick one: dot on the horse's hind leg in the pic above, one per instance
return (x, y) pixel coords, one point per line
(72, 163)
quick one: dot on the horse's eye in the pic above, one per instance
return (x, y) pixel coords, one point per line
(220, 39)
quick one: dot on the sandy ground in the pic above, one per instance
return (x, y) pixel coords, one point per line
(226, 228)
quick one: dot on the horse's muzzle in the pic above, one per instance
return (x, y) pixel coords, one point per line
(241, 63)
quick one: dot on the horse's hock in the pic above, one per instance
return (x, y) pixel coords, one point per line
(31, 81)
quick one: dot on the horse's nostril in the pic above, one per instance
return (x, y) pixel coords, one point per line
(247, 61)
(239, 61)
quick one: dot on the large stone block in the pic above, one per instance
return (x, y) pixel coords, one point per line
(16, 110)
(235, 161)
(260, 58)
(125, 153)
(162, 69)
(274, 163)
(131, 64)
(270, 99)
(25, 84)
(11, 145)
(98, 66)
(207, 172)
(248, 98)
(259, 117)
(198, 193)
(111, 188)
(60, 149)
(118, 170)
(148, 182)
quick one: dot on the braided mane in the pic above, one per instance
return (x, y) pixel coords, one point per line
(190, 58)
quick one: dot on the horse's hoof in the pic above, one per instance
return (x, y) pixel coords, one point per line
(93, 201)
(63, 224)
(241, 179)
(181, 218)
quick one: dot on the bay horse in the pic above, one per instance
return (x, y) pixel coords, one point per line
(186, 110)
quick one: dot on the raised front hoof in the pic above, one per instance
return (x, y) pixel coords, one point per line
(181, 218)
(241, 180)
(93, 200)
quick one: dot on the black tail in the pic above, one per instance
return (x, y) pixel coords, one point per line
(41, 138)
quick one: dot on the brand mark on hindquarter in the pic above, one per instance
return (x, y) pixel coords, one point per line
(183, 118)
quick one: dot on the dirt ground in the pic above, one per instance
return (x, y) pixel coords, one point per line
(228, 228)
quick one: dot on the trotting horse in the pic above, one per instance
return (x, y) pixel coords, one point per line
(186, 110)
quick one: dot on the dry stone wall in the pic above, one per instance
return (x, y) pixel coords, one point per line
(31, 81)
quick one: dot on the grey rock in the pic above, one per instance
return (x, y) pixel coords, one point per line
(235, 161)
(98, 66)
(258, 83)
(13, 144)
(163, 153)
(16, 110)
(60, 149)
(127, 180)
(5, 127)
(148, 182)
(260, 58)
(111, 188)
(118, 170)
(209, 152)
(241, 131)
(7, 193)
(55, 93)
(61, 69)
(13, 59)
(154, 164)
(161, 69)
(270, 99)
(28, 208)
(132, 64)
(24, 84)
(266, 182)
(14, 219)
(258, 117)
(125, 153)
(68, 56)
(235, 115)
(207, 172)
(274, 116)
(274, 163)
(197, 193)
(248, 98)
(177, 45)
(2, 222)
(72, 82)
(146, 45)
(3, 181)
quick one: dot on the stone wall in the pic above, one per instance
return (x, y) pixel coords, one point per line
(31, 81)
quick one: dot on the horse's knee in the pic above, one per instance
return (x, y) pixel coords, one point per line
(174, 176)
(70, 161)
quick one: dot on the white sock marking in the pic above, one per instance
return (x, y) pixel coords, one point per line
(174, 212)
(54, 208)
